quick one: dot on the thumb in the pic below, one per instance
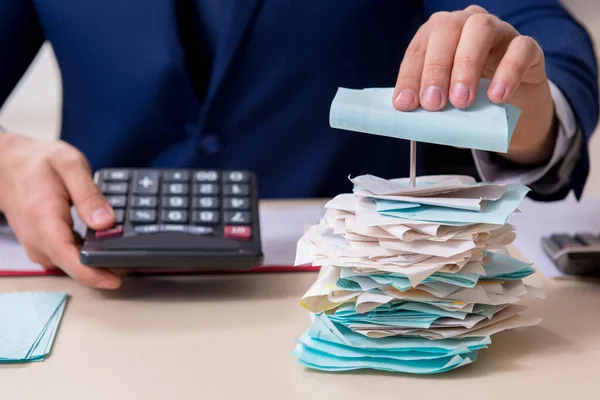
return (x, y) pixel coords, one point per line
(92, 207)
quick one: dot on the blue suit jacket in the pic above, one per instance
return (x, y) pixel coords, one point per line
(141, 87)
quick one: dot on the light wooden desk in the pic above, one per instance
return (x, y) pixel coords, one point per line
(230, 337)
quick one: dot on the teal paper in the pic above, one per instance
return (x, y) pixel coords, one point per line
(341, 350)
(403, 315)
(28, 324)
(494, 212)
(324, 361)
(483, 126)
(322, 328)
(402, 283)
(393, 205)
(505, 267)
(327, 346)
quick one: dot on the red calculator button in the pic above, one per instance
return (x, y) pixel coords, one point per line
(239, 232)
(109, 233)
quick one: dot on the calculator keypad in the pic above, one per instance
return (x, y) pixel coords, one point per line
(175, 202)
(144, 201)
(237, 217)
(176, 189)
(175, 216)
(176, 176)
(114, 188)
(206, 217)
(209, 203)
(119, 201)
(236, 203)
(196, 202)
(142, 216)
(206, 189)
(236, 189)
(145, 182)
(206, 176)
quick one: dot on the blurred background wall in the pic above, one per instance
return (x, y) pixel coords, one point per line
(34, 107)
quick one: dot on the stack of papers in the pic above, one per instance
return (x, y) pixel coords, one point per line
(28, 324)
(413, 279)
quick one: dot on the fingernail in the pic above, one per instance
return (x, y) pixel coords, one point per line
(498, 90)
(432, 96)
(101, 216)
(108, 284)
(405, 98)
(460, 93)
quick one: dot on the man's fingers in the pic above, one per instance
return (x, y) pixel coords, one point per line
(439, 58)
(38, 256)
(59, 245)
(408, 83)
(92, 207)
(476, 40)
(475, 9)
(522, 55)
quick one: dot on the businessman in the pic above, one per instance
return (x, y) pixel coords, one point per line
(248, 84)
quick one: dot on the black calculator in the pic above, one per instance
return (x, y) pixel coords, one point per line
(577, 254)
(177, 219)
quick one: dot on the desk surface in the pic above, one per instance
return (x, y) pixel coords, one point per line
(229, 337)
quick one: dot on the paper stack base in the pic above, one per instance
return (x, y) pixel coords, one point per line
(412, 280)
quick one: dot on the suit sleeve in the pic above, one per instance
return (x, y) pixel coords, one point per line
(20, 40)
(570, 60)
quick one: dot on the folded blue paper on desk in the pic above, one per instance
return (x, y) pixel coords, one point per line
(482, 126)
(28, 324)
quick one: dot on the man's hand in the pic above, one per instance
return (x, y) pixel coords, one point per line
(39, 180)
(452, 51)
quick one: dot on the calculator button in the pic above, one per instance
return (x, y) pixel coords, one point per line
(206, 188)
(142, 216)
(117, 201)
(176, 188)
(144, 201)
(176, 176)
(237, 189)
(237, 232)
(206, 176)
(173, 228)
(236, 177)
(121, 175)
(114, 188)
(588, 239)
(564, 241)
(145, 182)
(147, 229)
(206, 217)
(199, 230)
(120, 216)
(175, 216)
(237, 217)
(210, 203)
(110, 233)
(175, 202)
(236, 203)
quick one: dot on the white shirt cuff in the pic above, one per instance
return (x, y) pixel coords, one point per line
(567, 128)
